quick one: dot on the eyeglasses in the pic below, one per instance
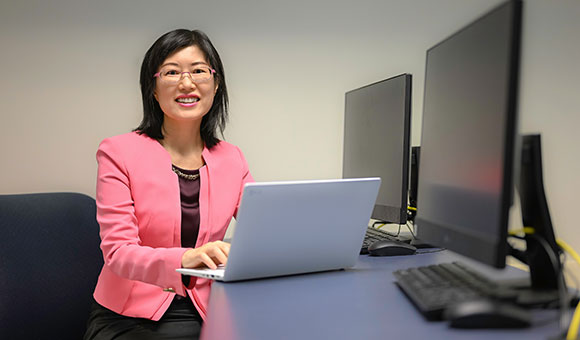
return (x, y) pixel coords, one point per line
(172, 75)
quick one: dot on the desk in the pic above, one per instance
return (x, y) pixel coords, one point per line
(358, 303)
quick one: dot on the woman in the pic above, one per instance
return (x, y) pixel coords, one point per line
(166, 193)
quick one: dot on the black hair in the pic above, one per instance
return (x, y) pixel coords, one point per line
(166, 45)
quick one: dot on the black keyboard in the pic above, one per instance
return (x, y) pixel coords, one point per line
(373, 235)
(434, 288)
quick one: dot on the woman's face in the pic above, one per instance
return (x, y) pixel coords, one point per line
(183, 98)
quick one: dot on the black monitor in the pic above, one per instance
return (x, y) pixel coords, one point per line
(471, 159)
(377, 123)
(468, 143)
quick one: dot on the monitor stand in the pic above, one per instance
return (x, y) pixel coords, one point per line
(419, 244)
(542, 254)
(528, 296)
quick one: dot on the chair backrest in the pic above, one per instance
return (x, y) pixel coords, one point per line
(49, 263)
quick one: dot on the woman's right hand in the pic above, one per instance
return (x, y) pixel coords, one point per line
(210, 255)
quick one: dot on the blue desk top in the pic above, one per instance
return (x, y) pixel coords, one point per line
(358, 303)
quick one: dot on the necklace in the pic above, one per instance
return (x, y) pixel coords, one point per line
(184, 176)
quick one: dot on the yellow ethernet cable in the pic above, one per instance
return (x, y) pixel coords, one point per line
(573, 328)
(575, 323)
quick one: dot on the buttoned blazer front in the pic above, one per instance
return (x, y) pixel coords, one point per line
(139, 213)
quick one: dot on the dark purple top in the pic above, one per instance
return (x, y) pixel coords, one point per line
(189, 196)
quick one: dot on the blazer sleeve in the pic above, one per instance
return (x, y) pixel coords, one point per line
(122, 249)
(246, 178)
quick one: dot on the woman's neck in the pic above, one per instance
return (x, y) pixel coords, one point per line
(182, 139)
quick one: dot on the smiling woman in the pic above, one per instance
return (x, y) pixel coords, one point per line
(185, 95)
(165, 55)
(166, 193)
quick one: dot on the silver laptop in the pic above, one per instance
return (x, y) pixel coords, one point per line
(296, 227)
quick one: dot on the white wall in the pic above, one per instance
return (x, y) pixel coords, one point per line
(70, 79)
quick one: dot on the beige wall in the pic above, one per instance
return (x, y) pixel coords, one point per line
(70, 79)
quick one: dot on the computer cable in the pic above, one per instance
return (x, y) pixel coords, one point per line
(411, 213)
(561, 283)
(382, 224)
(408, 225)
(558, 269)
(573, 289)
(399, 230)
(556, 265)
(576, 283)
(575, 323)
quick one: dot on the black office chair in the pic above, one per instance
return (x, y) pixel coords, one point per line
(49, 263)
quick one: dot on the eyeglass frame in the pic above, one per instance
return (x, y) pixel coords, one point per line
(158, 75)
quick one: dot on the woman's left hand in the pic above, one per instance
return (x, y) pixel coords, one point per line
(210, 254)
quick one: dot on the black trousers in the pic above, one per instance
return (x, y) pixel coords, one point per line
(180, 321)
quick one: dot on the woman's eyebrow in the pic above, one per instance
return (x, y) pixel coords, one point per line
(170, 63)
(176, 64)
(199, 63)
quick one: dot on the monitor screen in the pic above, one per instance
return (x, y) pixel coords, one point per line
(377, 123)
(468, 137)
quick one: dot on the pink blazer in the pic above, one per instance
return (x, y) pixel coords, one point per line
(139, 212)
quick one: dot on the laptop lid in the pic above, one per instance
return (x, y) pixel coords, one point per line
(296, 227)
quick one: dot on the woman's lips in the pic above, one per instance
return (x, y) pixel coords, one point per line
(187, 101)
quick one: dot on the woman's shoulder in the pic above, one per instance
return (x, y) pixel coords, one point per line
(223, 148)
(128, 140)
(130, 147)
(226, 152)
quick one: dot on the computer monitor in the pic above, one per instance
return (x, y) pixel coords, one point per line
(468, 142)
(471, 158)
(377, 123)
